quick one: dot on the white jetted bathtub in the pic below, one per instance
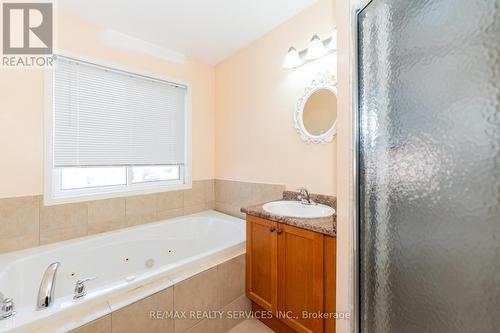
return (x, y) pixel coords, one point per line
(121, 261)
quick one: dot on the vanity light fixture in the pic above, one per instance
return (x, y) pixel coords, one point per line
(317, 48)
(292, 59)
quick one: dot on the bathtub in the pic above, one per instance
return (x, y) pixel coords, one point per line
(121, 261)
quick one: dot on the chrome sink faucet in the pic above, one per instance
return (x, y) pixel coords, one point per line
(304, 197)
(47, 287)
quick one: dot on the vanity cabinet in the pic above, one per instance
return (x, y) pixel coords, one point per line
(262, 258)
(290, 271)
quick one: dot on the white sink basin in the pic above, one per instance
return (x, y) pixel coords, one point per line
(297, 209)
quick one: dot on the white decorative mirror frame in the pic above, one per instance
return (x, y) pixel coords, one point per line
(325, 81)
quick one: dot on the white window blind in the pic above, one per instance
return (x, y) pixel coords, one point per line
(107, 117)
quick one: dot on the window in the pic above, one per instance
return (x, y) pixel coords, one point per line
(111, 133)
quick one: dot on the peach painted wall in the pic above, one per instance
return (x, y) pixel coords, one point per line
(255, 138)
(22, 105)
(345, 195)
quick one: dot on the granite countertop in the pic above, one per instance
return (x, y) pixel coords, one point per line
(324, 225)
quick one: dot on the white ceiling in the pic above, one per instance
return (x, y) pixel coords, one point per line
(207, 30)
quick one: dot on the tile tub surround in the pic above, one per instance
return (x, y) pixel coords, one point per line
(231, 195)
(251, 326)
(216, 284)
(25, 222)
(206, 291)
(19, 223)
(324, 225)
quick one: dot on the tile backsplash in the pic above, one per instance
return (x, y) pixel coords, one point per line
(19, 223)
(231, 195)
(25, 222)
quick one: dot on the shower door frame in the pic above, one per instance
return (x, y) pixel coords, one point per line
(356, 7)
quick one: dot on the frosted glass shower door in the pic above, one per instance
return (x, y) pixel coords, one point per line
(429, 136)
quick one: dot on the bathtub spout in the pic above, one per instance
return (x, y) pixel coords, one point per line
(47, 287)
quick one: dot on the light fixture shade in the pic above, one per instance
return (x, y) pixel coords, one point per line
(333, 41)
(316, 48)
(292, 59)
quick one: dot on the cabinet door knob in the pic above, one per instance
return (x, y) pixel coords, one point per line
(272, 229)
(279, 231)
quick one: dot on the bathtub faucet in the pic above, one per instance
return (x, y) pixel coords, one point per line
(47, 287)
(7, 308)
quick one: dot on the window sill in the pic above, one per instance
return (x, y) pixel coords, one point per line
(50, 200)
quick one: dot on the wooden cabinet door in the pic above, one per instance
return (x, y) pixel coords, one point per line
(261, 262)
(300, 278)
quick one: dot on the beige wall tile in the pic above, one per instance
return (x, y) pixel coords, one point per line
(169, 200)
(196, 195)
(27, 223)
(198, 293)
(209, 190)
(200, 198)
(19, 223)
(221, 190)
(207, 326)
(170, 214)
(101, 325)
(18, 216)
(231, 274)
(19, 243)
(240, 194)
(251, 326)
(229, 209)
(62, 222)
(240, 304)
(106, 215)
(195, 209)
(230, 195)
(140, 209)
(266, 192)
(210, 205)
(136, 317)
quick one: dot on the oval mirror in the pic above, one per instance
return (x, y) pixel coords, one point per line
(320, 112)
(316, 113)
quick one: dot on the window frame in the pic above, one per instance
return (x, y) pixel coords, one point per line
(53, 194)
